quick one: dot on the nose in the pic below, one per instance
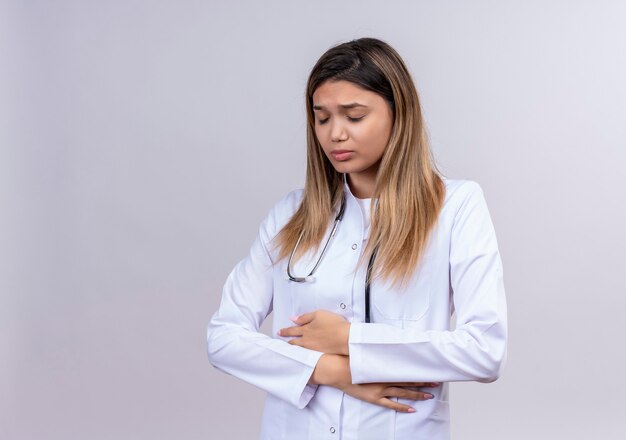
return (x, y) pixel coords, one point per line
(338, 132)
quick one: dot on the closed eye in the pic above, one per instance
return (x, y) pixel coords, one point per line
(355, 119)
(351, 119)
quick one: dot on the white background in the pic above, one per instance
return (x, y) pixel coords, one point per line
(142, 142)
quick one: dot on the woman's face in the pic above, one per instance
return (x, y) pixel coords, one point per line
(353, 126)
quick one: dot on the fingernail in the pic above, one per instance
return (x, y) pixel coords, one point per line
(429, 396)
(411, 410)
(294, 318)
(278, 333)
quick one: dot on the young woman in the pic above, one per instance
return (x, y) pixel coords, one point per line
(363, 270)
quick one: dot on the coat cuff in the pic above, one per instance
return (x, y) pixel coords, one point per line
(355, 351)
(308, 390)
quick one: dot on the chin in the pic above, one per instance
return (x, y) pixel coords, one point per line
(344, 167)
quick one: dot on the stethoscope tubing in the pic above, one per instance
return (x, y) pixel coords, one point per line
(310, 278)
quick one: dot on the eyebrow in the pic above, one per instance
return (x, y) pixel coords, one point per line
(346, 106)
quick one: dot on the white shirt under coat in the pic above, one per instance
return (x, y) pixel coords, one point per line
(410, 339)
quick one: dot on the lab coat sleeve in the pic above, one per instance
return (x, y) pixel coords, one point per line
(235, 344)
(476, 348)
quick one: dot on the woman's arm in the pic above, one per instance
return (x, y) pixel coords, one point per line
(334, 370)
(474, 350)
(234, 342)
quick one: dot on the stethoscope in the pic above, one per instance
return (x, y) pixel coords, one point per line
(310, 278)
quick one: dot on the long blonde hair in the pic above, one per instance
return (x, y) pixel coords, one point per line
(408, 186)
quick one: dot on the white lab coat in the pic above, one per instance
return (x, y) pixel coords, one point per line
(411, 337)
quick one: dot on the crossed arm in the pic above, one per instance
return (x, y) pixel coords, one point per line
(328, 332)
(326, 349)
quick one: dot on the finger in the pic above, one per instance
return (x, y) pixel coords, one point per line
(405, 393)
(388, 403)
(296, 341)
(291, 331)
(305, 318)
(415, 384)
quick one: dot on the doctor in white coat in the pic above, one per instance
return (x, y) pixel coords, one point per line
(363, 270)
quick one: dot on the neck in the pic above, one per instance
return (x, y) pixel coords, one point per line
(362, 184)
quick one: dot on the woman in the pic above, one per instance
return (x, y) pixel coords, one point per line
(363, 269)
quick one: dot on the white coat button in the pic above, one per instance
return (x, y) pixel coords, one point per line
(332, 430)
(354, 246)
(342, 305)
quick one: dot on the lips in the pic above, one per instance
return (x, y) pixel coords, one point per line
(341, 154)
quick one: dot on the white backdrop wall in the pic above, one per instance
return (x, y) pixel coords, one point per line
(141, 143)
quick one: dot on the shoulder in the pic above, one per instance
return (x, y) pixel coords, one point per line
(283, 210)
(462, 197)
(460, 191)
(467, 213)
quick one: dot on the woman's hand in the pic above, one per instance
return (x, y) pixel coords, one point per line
(334, 371)
(381, 393)
(321, 331)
